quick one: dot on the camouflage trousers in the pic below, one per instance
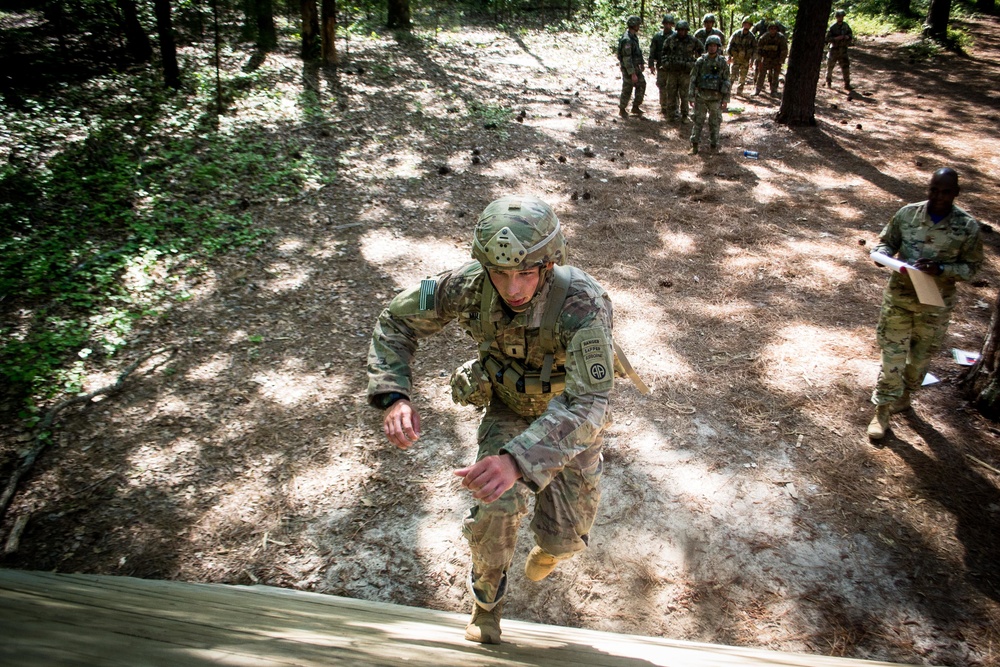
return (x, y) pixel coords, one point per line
(741, 68)
(706, 106)
(627, 87)
(908, 340)
(563, 514)
(769, 72)
(677, 92)
(832, 60)
(665, 102)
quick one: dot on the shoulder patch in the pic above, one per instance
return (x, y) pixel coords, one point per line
(427, 289)
(592, 352)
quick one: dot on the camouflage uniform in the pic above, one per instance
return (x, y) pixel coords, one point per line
(742, 49)
(679, 56)
(838, 52)
(655, 53)
(631, 62)
(771, 53)
(760, 28)
(701, 34)
(709, 86)
(554, 435)
(910, 332)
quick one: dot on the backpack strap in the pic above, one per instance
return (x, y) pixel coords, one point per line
(553, 309)
(485, 311)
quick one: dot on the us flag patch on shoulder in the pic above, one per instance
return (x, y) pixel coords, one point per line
(427, 289)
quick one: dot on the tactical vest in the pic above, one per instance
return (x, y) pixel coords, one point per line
(679, 54)
(710, 74)
(525, 390)
(741, 46)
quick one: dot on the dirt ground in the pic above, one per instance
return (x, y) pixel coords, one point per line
(742, 503)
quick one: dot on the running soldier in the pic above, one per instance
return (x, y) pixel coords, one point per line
(543, 373)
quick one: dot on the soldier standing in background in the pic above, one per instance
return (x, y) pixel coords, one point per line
(772, 49)
(760, 28)
(938, 238)
(839, 37)
(543, 373)
(742, 50)
(632, 66)
(680, 51)
(709, 89)
(708, 29)
(655, 53)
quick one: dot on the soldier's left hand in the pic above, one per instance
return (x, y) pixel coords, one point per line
(927, 266)
(490, 477)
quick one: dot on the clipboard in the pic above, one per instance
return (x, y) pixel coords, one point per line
(927, 290)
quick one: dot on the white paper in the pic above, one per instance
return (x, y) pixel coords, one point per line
(964, 357)
(929, 379)
(923, 283)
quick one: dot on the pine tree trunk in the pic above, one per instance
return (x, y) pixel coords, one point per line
(937, 20)
(136, 39)
(329, 20)
(168, 46)
(267, 35)
(798, 101)
(312, 45)
(982, 382)
(399, 15)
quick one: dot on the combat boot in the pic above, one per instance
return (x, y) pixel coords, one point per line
(879, 425)
(623, 113)
(694, 148)
(540, 564)
(484, 626)
(901, 404)
(636, 111)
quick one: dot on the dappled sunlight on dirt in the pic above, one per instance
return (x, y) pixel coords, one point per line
(790, 363)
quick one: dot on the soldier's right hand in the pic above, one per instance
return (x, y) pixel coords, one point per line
(401, 424)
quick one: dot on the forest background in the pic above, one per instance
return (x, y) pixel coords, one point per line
(204, 205)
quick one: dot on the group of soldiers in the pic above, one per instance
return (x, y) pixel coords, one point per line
(691, 70)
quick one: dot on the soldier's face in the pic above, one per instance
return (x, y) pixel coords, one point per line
(941, 195)
(516, 288)
(746, 26)
(713, 48)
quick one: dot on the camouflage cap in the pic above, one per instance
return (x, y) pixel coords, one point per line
(840, 12)
(713, 39)
(634, 22)
(668, 18)
(518, 232)
(682, 25)
(708, 17)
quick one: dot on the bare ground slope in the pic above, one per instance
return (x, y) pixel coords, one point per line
(742, 502)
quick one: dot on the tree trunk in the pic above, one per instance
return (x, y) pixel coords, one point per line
(398, 16)
(312, 45)
(136, 39)
(267, 35)
(937, 20)
(982, 382)
(168, 47)
(329, 19)
(798, 101)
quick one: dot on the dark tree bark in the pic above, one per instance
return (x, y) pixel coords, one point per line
(312, 45)
(136, 39)
(168, 46)
(798, 101)
(982, 382)
(937, 20)
(399, 15)
(329, 19)
(267, 35)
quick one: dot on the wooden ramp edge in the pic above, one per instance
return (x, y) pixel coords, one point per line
(48, 620)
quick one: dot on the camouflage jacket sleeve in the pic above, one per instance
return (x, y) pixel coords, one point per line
(415, 313)
(575, 418)
(628, 53)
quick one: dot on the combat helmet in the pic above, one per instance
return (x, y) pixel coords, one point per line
(840, 12)
(518, 232)
(668, 18)
(682, 25)
(713, 39)
(746, 19)
(708, 17)
(633, 22)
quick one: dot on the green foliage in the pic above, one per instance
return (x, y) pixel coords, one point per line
(492, 116)
(113, 195)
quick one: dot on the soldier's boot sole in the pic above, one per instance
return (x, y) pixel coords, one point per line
(879, 424)
(484, 626)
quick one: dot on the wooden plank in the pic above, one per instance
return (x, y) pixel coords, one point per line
(56, 619)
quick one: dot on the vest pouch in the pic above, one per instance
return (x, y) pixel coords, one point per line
(470, 385)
